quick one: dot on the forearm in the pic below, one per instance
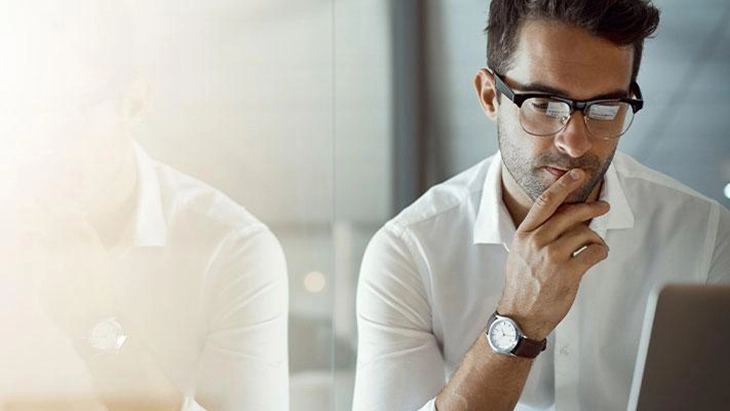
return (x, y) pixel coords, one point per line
(485, 381)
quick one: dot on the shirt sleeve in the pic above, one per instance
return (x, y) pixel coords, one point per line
(399, 364)
(244, 363)
(720, 266)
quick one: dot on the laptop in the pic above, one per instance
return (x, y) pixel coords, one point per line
(683, 362)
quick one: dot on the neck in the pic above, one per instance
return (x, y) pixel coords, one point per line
(111, 211)
(518, 203)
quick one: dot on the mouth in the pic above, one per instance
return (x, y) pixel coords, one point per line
(555, 171)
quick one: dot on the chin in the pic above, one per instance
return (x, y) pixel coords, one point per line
(581, 195)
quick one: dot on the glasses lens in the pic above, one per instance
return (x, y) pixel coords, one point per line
(543, 116)
(609, 120)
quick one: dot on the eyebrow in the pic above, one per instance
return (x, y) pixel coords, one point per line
(542, 88)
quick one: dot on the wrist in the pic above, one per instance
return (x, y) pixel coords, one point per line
(506, 337)
(104, 337)
(531, 326)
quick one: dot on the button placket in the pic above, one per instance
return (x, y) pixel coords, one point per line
(566, 355)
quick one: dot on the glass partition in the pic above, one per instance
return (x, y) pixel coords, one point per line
(170, 189)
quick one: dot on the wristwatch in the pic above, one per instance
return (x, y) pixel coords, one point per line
(106, 337)
(506, 338)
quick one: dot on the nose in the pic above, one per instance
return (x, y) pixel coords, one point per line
(574, 140)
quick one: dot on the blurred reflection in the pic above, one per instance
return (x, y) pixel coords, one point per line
(125, 283)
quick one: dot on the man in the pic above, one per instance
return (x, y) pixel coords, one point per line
(126, 284)
(553, 241)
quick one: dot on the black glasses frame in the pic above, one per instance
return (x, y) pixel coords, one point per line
(580, 105)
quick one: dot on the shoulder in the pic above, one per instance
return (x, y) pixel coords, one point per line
(657, 190)
(189, 201)
(439, 222)
(204, 218)
(455, 199)
(667, 206)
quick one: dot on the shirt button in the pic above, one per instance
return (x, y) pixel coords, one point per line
(564, 350)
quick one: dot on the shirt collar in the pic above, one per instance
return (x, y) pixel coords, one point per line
(494, 224)
(620, 217)
(150, 226)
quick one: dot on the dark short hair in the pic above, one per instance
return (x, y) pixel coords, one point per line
(622, 22)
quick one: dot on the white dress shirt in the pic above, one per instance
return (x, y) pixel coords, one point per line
(202, 282)
(432, 276)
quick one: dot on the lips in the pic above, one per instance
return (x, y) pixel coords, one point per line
(557, 172)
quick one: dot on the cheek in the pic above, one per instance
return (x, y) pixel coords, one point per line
(605, 148)
(522, 146)
(603, 151)
(104, 131)
(515, 138)
(96, 140)
(70, 154)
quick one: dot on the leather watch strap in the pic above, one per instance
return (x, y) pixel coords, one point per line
(528, 348)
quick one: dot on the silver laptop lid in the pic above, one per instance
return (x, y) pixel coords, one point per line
(683, 362)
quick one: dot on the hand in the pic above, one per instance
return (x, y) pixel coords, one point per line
(71, 271)
(543, 274)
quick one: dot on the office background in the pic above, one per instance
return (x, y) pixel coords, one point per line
(326, 117)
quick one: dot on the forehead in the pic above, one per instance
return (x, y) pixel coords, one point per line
(571, 59)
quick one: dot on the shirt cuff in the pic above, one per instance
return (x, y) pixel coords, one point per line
(430, 406)
(191, 405)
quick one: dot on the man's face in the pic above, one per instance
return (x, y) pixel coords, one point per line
(576, 65)
(62, 131)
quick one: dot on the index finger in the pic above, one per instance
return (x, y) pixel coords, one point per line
(550, 199)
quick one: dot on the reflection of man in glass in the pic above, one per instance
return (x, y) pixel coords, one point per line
(126, 283)
(513, 284)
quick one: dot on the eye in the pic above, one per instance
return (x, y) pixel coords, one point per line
(539, 105)
(557, 109)
(605, 112)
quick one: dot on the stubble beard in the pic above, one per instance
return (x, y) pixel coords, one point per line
(529, 174)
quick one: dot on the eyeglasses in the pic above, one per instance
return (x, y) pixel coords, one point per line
(544, 115)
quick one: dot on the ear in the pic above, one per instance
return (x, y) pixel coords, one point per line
(487, 93)
(136, 100)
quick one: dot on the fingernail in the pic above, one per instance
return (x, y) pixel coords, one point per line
(575, 173)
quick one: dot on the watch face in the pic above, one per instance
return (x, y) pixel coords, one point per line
(503, 336)
(107, 335)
